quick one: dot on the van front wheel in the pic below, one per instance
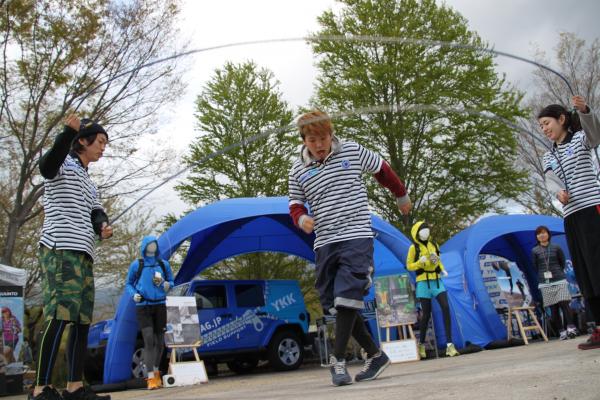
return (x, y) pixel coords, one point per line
(285, 351)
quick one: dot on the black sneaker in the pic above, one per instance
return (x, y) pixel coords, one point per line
(339, 373)
(83, 393)
(373, 367)
(49, 393)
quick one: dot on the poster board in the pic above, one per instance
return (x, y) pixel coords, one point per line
(401, 350)
(396, 308)
(183, 327)
(13, 349)
(490, 271)
(395, 301)
(12, 307)
(504, 281)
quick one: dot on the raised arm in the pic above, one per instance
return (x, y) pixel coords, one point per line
(589, 121)
(51, 161)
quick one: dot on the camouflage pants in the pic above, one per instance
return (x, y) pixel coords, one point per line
(67, 285)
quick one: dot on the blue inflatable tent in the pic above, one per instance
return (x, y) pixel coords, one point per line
(237, 226)
(226, 229)
(508, 236)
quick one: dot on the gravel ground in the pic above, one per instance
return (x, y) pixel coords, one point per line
(545, 371)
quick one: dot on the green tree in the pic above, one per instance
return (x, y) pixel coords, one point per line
(54, 55)
(579, 62)
(239, 102)
(456, 166)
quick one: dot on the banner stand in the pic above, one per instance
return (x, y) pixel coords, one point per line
(184, 373)
(183, 332)
(12, 309)
(396, 309)
(405, 348)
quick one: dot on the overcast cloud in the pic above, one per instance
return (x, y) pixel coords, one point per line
(512, 26)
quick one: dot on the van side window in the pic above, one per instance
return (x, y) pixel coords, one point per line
(249, 295)
(179, 290)
(210, 297)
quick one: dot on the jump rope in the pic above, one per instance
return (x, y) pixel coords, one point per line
(357, 111)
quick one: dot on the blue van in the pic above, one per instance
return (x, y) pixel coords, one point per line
(240, 323)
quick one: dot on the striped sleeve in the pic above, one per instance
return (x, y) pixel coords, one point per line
(96, 203)
(546, 162)
(369, 160)
(295, 192)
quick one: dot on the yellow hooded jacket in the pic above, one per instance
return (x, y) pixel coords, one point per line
(427, 271)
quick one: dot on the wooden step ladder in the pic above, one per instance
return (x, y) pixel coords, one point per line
(516, 312)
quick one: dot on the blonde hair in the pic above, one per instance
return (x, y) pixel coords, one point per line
(314, 122)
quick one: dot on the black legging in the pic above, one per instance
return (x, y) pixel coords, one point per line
(48, 351)
(594, 307)
(566, 311)
(442, 300)
(152, 320)
(349, 322)
(153, 347)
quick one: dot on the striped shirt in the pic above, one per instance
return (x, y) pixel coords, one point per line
(576, 168)
(69, 199)
(335, 191)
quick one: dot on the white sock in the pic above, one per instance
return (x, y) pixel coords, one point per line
(150, 375)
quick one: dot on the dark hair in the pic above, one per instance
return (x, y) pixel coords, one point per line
(78, 147)
(88, 130)
(541, 228)
(572, 123)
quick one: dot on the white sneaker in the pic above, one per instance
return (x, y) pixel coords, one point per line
(563, 335)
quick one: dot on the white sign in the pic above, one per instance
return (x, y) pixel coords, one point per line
(12, 276)
(401, 350)
(185, 374)
(182, 321)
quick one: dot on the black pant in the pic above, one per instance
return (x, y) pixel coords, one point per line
(442, 300)
(349, 322)
(152, 320)
(567, 317)
(48, 351)
(582, 229)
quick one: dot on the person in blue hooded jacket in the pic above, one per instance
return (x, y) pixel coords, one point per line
(148, 282)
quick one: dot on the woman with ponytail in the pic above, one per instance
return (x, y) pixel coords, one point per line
(574, 136)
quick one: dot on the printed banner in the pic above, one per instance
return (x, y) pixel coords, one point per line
(182, 321)
(395, 301)
(12, 306)
(504, 281)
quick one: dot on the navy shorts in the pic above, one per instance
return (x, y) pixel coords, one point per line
(344, 273)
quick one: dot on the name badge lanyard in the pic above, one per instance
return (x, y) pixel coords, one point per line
(547, 274)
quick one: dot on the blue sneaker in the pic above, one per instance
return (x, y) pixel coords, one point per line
(339, 373)
(373, 367)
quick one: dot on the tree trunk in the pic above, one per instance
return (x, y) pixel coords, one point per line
(9, 243)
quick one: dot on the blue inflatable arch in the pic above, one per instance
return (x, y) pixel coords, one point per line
(508, 236)
(246, 225)
(226, 229)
